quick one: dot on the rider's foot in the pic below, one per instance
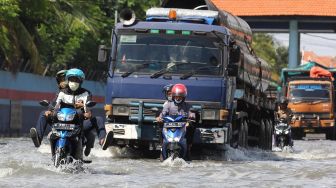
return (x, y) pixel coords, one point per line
(107, 141)
(35, 137)
(87, 151)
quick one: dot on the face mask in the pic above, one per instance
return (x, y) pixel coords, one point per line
(178, 101)
(73, 86)
(170, 98)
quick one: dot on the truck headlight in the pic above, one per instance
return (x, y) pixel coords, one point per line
(210, 114)
(120, 110)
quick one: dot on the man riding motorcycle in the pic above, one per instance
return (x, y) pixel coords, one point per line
(178, 106)
(285, 114)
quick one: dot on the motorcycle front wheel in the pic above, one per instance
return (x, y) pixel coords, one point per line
(57, 158)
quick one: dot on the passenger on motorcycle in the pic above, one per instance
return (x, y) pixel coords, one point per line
(167, 91)
(45, 116)
(178, 106)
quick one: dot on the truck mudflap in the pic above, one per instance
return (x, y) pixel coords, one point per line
(211, 135)
(124, 131)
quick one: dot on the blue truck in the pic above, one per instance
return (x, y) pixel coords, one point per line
(207, 50)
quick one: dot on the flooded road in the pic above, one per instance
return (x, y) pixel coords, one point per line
(310, 164)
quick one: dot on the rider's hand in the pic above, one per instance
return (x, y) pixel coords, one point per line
(47, 113)
(159, 119)
(87, 115)
(79, 105)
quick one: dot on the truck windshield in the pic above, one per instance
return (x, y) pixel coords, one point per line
(309, 92)
(149, 53)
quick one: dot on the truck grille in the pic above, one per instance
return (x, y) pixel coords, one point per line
(313, 115)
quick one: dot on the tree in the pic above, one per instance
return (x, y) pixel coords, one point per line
(53, 35)
(272, 52)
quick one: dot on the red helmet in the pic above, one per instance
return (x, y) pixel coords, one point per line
(179, 90)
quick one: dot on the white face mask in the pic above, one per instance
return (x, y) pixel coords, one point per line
(73, 86)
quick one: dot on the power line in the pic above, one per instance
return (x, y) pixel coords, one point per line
(322, 37)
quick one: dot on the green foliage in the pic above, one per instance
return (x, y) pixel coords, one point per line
(8, 9)
(272, 52)
(58, 34)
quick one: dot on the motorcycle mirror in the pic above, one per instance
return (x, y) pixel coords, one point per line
(90, 103)
(44, 103)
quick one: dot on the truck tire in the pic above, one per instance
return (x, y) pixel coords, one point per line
(269, 131)
(243, 131)
(246, 132)
(262, 134)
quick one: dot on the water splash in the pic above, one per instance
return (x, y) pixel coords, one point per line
(6, 172)
(177, 162)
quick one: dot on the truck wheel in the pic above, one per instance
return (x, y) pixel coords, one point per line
(269, 129)
(262, 134)
(234, 135)
(246, 132)
(242, 139)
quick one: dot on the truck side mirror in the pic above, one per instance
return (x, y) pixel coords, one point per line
(234, 54)
(234, 59)
(102, 53)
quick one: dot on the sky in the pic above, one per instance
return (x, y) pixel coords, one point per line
(320, 43)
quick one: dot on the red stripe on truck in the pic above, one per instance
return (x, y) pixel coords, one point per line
(34, 96)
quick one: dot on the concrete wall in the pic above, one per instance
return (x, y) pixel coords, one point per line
(19, 97)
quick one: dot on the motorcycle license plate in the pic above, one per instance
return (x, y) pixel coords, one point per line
(64, 126)
(173, 125)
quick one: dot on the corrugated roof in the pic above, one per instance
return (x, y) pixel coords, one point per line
(278, 7)
(327, 61)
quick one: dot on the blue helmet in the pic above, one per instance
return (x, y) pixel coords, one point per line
(75, 73)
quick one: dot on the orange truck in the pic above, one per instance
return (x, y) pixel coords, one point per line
(311, 99)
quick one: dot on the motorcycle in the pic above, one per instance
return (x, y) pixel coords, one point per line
(173, 133)
(282, 133)
(66, 135)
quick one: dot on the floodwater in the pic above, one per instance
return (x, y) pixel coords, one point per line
(309, 164)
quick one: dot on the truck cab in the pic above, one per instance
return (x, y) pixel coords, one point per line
(311, 101)
(147, 55)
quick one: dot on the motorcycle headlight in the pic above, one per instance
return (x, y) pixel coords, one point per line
(287, 131)
(277, 132)
(176, 139)
(60, 116)
(70, 117)
(170, 139)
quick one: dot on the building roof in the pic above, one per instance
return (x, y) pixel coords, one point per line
(326, 61)
(278, 7)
